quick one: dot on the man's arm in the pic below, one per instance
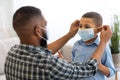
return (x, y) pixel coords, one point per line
(58, 44)
(105, 36)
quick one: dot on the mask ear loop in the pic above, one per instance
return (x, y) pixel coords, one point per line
(36, 33)
(43, 38)
(45, 32)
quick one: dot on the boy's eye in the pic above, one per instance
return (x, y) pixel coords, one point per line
(87, 26)
(80, 26)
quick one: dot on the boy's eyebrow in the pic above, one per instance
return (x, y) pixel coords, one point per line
(87, 25)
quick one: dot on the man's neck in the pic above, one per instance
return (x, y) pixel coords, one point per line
(29, 41)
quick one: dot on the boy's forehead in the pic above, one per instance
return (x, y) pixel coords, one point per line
(86, 20)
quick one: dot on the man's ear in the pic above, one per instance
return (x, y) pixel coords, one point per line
(37, 30)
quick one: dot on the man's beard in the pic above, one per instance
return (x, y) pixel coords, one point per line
(43, 42)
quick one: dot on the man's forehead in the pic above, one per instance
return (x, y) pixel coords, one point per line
(39, 20)
(43, 22)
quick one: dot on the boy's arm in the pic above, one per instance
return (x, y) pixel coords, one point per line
(103, 69)
(108, 67)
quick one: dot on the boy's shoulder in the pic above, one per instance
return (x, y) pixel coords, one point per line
(78, 43)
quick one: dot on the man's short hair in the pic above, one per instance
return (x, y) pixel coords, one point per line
(24, 14)
(95, 16)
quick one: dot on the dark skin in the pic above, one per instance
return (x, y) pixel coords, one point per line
(30, 34)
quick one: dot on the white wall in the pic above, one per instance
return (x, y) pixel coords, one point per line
(60, 13)
(6, 10)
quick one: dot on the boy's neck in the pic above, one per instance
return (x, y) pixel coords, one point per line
(91, 40)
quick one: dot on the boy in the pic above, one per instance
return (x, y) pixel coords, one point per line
(83, 49)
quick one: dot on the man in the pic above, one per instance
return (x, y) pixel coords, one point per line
(32, 59)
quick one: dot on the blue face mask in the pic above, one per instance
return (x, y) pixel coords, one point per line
(86, 34)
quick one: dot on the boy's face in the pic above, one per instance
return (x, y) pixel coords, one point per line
(86, 23)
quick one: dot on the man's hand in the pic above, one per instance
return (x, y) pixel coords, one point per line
(60, 55)
(74, 28)
(97, 30)
(106, 34)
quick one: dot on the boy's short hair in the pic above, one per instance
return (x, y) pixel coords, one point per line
(24, 14)
(97, 18)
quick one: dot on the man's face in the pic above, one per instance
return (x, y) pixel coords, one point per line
(40, 30)
(44, 38)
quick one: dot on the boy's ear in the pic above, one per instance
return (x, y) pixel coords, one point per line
(97, 30)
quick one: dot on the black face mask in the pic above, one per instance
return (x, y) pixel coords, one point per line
(43, 41)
